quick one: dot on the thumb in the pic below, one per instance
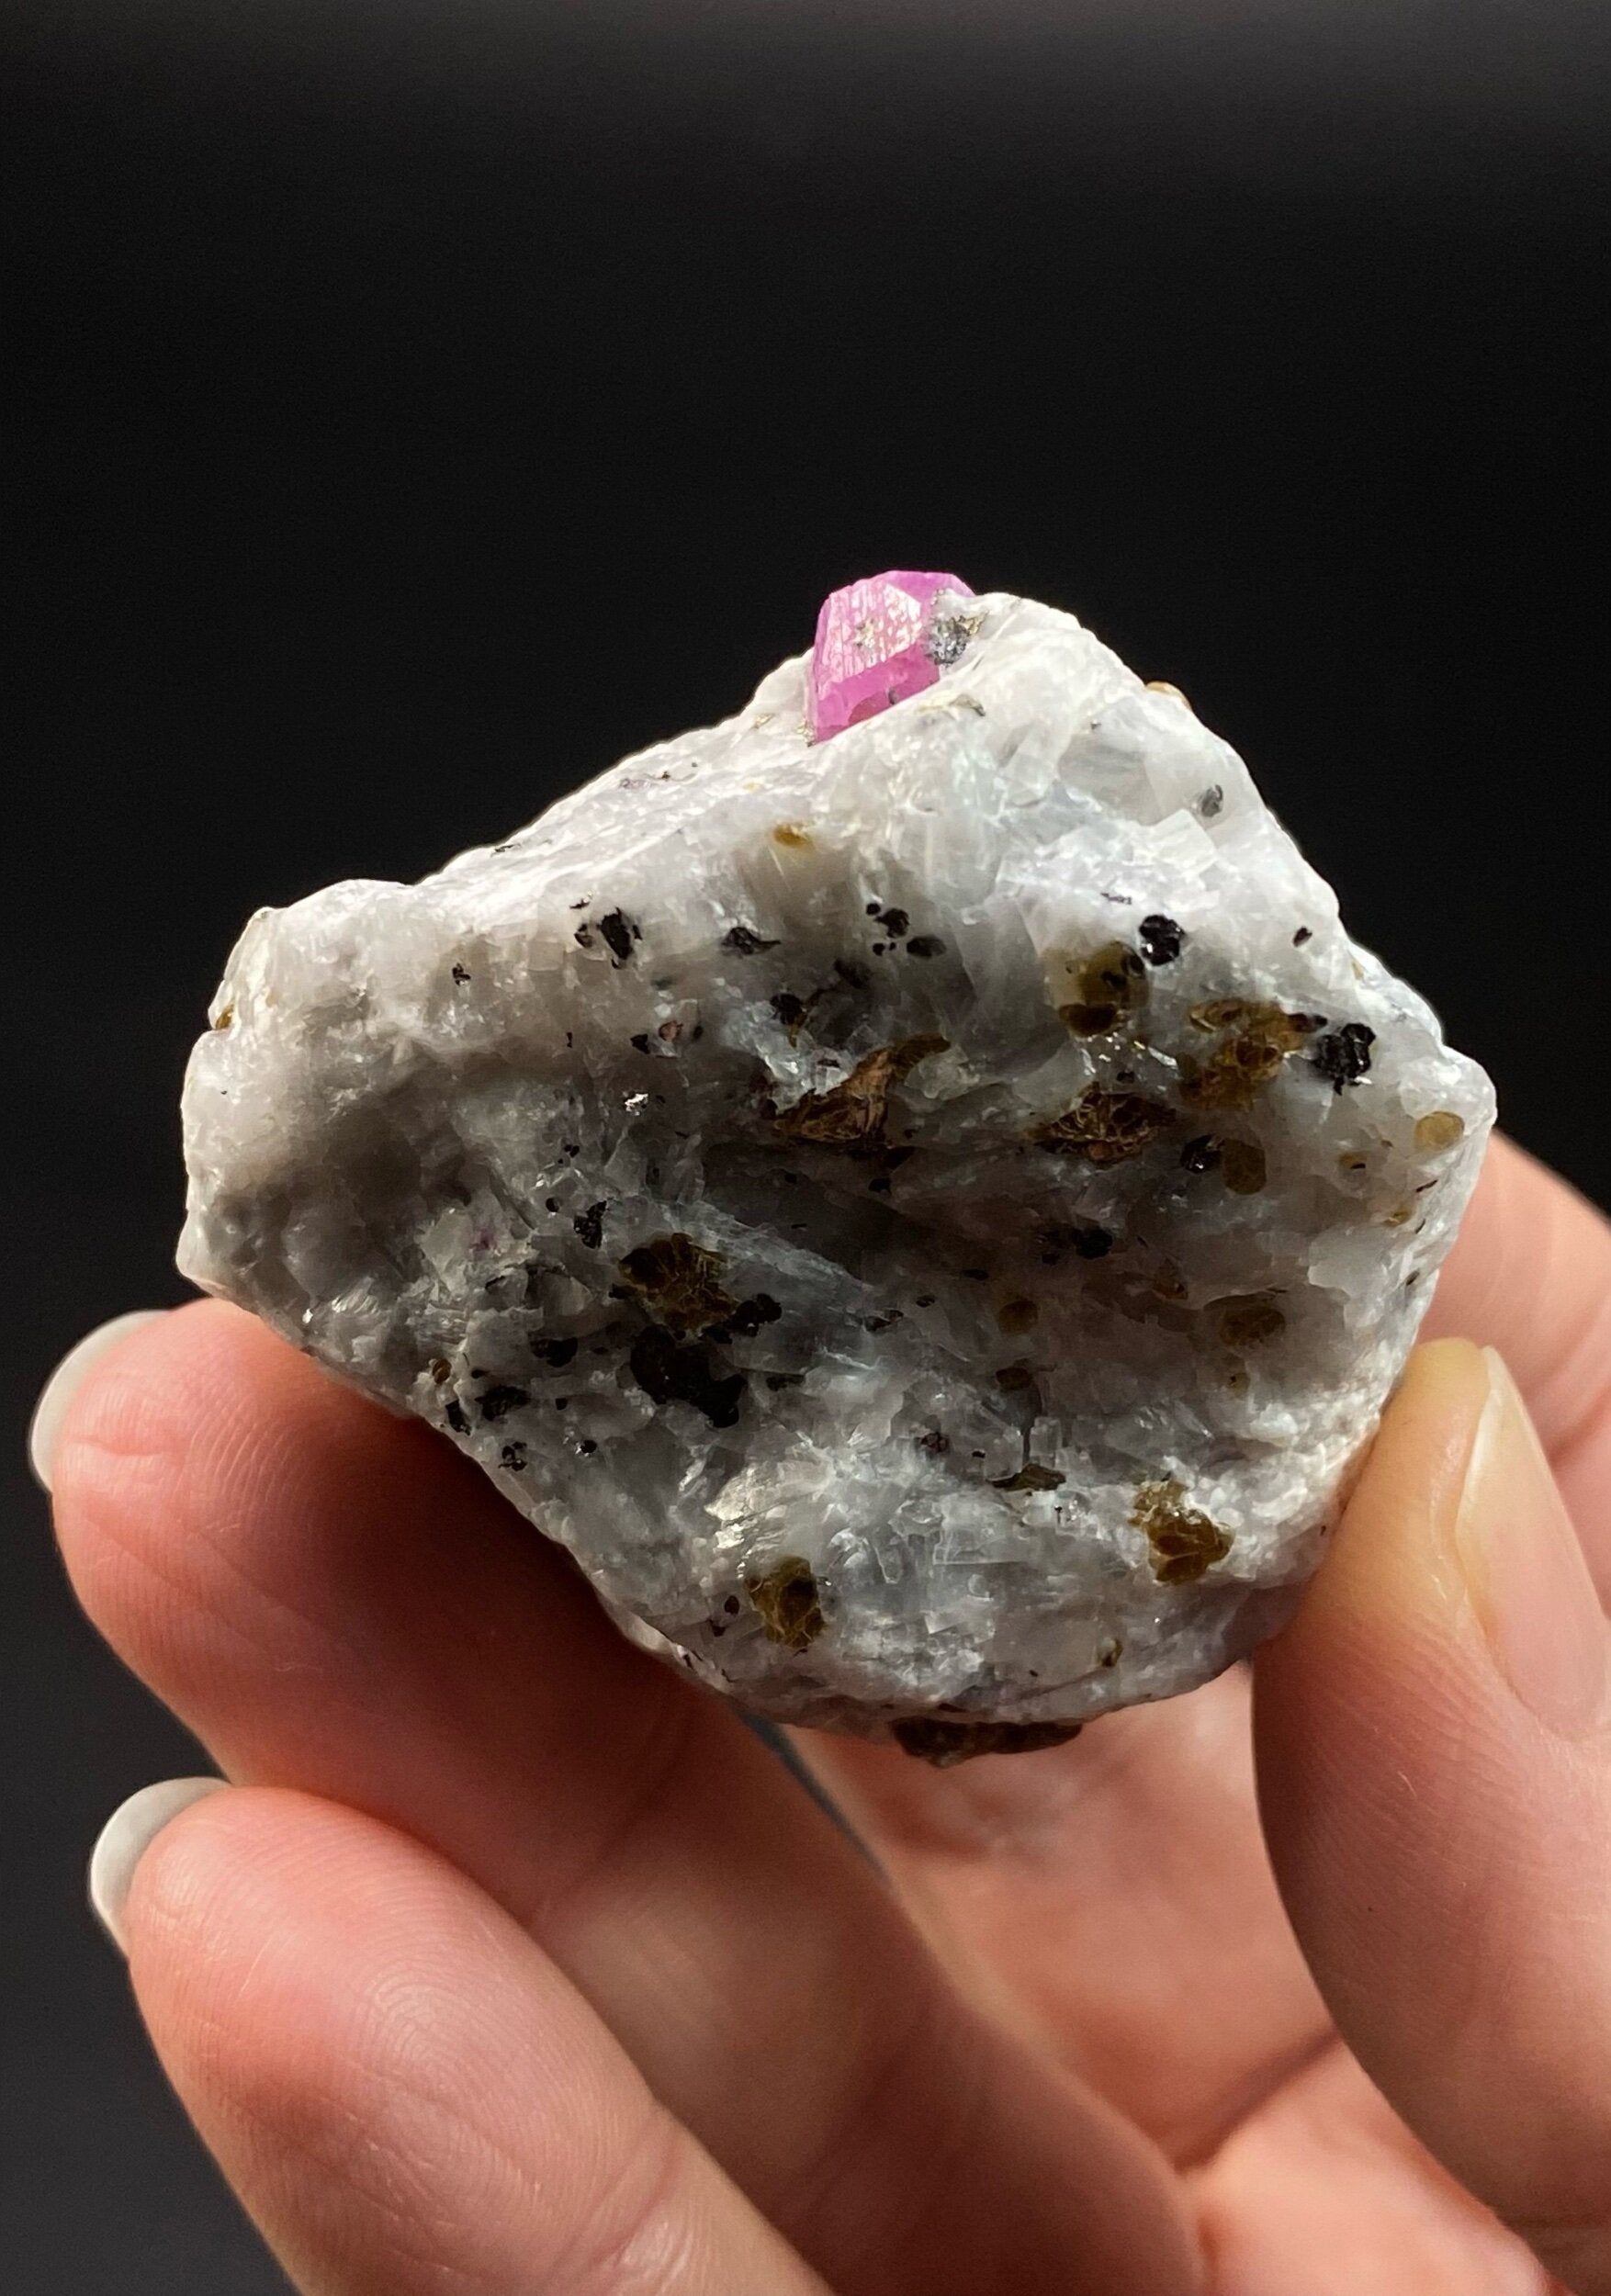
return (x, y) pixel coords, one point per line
(1435, 1773)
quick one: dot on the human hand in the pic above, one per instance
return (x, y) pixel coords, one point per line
(514, 1963)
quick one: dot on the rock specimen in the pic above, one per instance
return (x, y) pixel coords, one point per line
(928, 1214)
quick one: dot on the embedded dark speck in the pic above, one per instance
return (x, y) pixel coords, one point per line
(499, 1401)
(639, 1043)
(1212, 802)
(1303, 933)
(669, 1372)
(926, 945)
(455, 1418)
(461, 974)
(1344, 1056)
(590, 1225)
(1160, 939)
(750, 1315)
(618, 933)
(1033, 1476)
(895, 923)
(558, 1351)
(745, 942)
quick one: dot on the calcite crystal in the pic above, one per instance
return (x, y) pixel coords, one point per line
(927, 1217)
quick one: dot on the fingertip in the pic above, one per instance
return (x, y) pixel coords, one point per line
(1390, 1555)
(1530, 1273)
(1417, 1461)
(62, 1390)
(124, 1841)
(129, 1470)
(189, 1470)
(128, 1392)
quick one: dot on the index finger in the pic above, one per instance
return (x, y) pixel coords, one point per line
(1530, 1275)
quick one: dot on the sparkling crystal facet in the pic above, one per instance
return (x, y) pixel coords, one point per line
(877, 641)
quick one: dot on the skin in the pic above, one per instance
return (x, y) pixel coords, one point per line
(516, 1963)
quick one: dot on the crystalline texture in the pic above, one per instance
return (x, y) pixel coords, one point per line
(929, 1218)
(878, 642)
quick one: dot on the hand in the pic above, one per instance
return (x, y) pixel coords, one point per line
(513, 1962)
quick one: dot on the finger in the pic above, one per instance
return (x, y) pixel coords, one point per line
(404, 2091)
(1324, 2192)
(1434, 1741)
(1530, 1275)
(1111, 1898)
(334, 1600)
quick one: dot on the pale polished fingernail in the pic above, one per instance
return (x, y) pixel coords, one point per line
(126, 1837)
(1529, 1583)
(67, 1379)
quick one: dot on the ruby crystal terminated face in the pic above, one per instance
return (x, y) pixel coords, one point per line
(876, 643)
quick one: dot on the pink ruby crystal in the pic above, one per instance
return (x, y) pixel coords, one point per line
(878, 641)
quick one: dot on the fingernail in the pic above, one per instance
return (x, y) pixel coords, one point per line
(1529, 1583)
(126, 1837)
(66, 1380)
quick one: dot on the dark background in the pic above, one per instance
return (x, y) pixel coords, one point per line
(416, 406)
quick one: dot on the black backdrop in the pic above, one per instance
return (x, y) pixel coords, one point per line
(418, 405)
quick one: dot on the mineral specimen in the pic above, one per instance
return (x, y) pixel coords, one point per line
(927, 1216)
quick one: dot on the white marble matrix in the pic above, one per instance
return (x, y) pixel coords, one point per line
(929, 1220)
